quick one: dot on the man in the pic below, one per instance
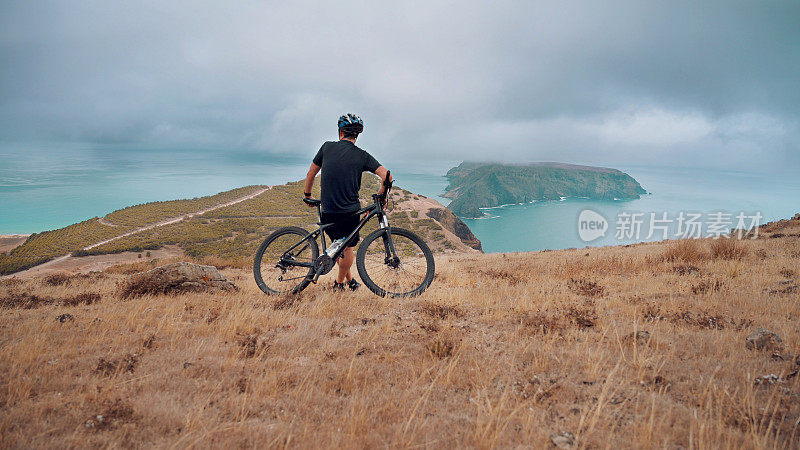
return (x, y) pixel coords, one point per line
(342, 163)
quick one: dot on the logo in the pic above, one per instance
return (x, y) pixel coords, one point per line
(591, 225)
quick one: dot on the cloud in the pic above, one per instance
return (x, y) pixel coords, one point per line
(642, 82)
(648, 128)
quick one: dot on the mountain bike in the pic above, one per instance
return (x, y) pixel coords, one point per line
(391, 261)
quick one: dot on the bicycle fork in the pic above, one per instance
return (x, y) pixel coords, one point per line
(388, 244)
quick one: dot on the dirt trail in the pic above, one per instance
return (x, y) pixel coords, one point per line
(59, 263)
(106, 223)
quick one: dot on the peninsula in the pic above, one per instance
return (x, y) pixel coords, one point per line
(483, 185)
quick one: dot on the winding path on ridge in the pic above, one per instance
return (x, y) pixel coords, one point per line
(162, 223)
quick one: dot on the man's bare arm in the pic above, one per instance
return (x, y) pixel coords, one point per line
(382, 172)
(312, 172)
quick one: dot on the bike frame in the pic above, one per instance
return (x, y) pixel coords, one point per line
(376, 209)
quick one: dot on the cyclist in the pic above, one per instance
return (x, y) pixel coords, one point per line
(342, 163)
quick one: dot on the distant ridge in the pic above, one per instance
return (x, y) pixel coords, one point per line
(476, 185)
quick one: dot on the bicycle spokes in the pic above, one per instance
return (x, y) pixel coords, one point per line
(285, 262)
(396, 274)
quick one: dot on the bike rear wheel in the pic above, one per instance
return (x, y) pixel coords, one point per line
(273, 269)
(407, 276)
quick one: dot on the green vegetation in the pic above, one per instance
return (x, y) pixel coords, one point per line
(42, 247)
(229, 238)
(154, 212)
(474, 185)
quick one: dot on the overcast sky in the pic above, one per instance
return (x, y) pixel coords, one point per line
(679, 83)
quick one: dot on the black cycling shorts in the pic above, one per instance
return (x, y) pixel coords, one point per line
(343, 225)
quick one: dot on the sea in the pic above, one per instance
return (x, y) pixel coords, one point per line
(48, 186)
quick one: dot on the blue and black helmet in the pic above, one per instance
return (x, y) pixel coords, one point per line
(351, 123)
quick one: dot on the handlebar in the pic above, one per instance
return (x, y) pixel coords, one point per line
(387, 183)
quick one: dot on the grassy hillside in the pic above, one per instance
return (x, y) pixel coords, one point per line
(42, 247)
(638, 346)
(234, 232)
(475, 185)
(231, 232)
(149, 213)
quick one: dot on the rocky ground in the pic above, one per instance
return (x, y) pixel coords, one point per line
(676, 344)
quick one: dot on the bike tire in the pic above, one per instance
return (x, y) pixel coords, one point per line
(382, 291)
(272, 239)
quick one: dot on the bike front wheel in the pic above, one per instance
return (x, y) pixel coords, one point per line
(407, 275)
(277, 266)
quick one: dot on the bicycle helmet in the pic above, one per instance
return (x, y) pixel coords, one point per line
(351, 123)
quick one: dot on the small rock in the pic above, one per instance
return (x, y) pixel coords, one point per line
(761, 339)
(186, 365)
(641, 337)
(177, 278)
(768, 379)
(564, 439)
(65, 318)
(617, 400)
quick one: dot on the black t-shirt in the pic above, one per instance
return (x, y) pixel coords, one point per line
(342, 163)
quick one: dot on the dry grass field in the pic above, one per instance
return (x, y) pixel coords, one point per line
(634, 347)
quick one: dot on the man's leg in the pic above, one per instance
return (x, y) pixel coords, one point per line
(345, 262)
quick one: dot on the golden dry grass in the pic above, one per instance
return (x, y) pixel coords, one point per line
(501, 351)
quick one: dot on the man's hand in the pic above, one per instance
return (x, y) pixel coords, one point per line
(307, 196)
(383, 174)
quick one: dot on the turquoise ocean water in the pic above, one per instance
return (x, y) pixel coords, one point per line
(45, 187)
(718, 197)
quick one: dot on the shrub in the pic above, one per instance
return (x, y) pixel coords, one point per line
(727, 249)
(588, 288)
(84, 298)
(686, 250)
(57, 279)
(441, 348)
(441, 311)
(25, 300)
